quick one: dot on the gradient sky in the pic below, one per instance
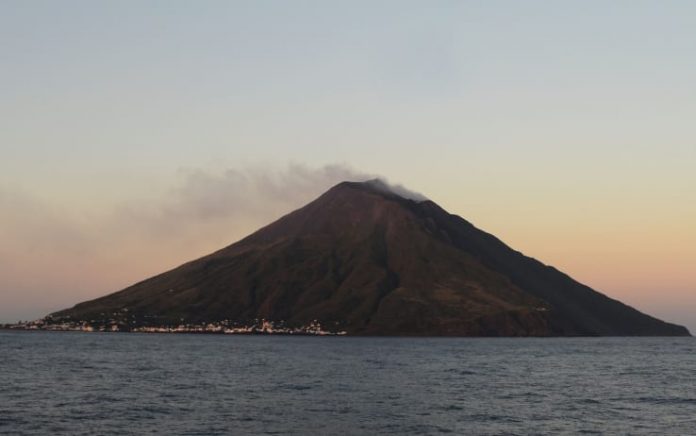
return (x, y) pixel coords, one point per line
(135, 135)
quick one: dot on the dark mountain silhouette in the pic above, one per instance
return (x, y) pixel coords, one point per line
(366, 260)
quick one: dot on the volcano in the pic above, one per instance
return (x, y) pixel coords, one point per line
(366, 259)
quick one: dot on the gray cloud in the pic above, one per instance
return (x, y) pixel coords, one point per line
(203, 206)
(259, 193)
(230, 203)
(255, 191)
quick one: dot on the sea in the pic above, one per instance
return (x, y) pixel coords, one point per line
(76, 383)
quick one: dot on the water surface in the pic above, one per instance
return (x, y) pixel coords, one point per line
(102, 383)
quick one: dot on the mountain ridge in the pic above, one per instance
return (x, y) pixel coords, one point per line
(364, 259)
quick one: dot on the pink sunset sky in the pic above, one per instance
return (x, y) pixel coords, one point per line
(137, 136)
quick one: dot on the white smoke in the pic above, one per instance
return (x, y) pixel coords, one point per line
(383, 185)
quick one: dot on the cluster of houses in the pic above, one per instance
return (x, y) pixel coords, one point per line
(224, 327)
(67, 326)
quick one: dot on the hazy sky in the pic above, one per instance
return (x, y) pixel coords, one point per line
(135, 135)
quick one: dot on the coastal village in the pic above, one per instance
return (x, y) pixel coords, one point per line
(259, 327)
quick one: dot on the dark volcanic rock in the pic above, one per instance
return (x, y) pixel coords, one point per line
(368, 261)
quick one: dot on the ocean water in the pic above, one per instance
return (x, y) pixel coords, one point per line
(102, 384)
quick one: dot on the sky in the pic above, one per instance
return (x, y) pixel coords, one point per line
(137, 135)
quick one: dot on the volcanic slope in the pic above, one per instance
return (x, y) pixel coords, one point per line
(363, 259)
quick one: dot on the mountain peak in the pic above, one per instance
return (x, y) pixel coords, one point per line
(383, 187)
